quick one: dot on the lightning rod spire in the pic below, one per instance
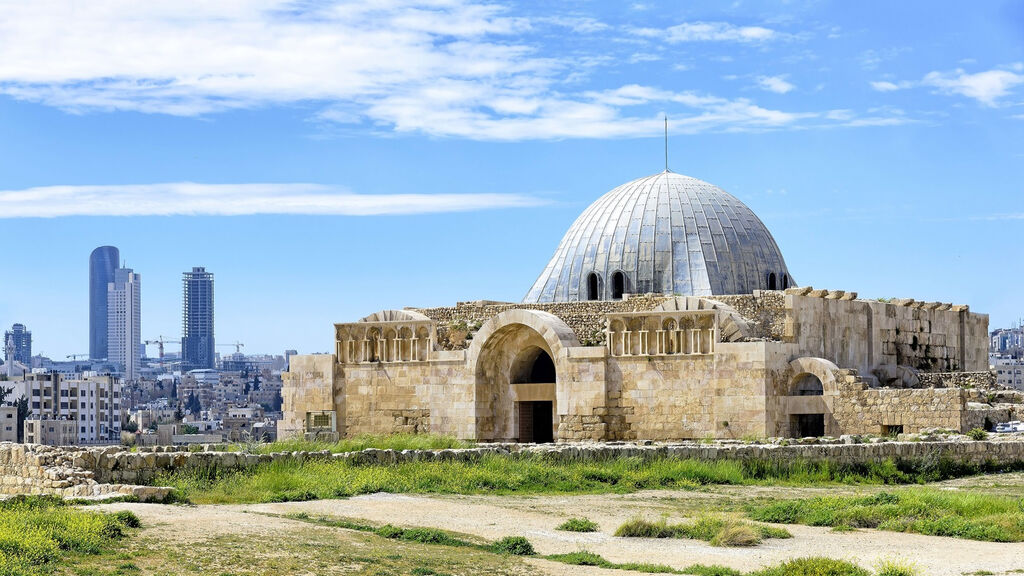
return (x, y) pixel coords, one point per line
(666, 143)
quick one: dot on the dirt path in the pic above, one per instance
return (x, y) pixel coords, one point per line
(492, 517)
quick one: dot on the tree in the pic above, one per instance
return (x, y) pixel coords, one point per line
(174, 390)
(193, 404)
(131, 426)
(23, 413)
(189, 429)
(178, 414)
(4, 393)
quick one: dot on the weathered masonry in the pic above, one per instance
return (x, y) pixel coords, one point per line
(584, 359)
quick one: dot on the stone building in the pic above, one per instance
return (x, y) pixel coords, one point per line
(667, 312)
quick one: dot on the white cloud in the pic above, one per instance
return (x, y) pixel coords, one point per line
(985, 87)
(189, 198)
(886, 86)
(775, 84)
(718, 32)
(448, 68)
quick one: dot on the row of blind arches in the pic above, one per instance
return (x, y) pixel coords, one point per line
(619, 284)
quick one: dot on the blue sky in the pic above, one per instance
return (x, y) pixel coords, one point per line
(326, 160)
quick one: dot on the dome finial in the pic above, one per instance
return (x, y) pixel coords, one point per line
(666, 143)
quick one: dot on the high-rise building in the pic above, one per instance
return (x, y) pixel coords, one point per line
(18, 345)
(102, 263)
(197, 345)
(124, 322)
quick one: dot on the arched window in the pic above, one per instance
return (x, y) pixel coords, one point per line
(592, 286)
(771, 280)
(618, 285)
(785, 281)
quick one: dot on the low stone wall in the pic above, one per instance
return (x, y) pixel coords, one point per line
(37, 469)
(74, 472)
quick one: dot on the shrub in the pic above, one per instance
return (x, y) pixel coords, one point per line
(514, 545)
(977, 434)
(736, 535)
(578, 525)
(896, 568)
(127, 519)
(813, 566)
(640, 528)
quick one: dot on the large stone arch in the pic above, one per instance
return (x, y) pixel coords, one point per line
(500, 345)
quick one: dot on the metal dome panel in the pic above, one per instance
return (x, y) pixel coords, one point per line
(666, 234)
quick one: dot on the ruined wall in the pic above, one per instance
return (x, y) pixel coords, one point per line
(585, 318)
(977, 380)
(863, 334)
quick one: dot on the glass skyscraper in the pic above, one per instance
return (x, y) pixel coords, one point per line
(102, 263)
(197, 344)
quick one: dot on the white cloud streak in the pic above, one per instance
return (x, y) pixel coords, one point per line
(719, 32)
(196, 199)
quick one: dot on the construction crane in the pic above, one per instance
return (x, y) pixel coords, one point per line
(76, 356)
(237, 345)
(160, 342)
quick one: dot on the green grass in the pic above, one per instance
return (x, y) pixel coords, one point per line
(38, 532)
(527, 474)
(966, 515)
(813, 566)
(578, 525)
(357, 443)
(717, 531)
(896, 568)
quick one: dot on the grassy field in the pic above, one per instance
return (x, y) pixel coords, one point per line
(357, 443)
(289, 481)
(966, 515)
(37, 534)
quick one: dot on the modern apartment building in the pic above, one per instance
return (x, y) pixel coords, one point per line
(197, 340)
(84, 410)
(124, 324)
(102, 263)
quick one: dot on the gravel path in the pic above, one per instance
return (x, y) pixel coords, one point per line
(492, 517)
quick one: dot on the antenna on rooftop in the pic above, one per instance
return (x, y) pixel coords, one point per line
(666, 142)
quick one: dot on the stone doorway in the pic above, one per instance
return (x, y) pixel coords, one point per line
(535, 419)
(804, 425)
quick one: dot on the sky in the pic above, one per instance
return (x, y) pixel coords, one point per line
(326, 160)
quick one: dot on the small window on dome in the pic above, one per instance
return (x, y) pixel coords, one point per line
(771, 280)
(592, 286)
(618, 285)
(785, 281)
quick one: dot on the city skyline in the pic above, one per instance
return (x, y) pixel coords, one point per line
(884, 154)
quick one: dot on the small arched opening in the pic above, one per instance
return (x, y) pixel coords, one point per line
(533, 366)
(592, 283)
(785, 281)
(808, 385)
(618, 285)
(771, 281)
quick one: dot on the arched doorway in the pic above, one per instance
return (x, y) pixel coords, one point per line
(533, 383)
(517, 358)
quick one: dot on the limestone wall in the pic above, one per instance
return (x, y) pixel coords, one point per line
(65, 472)
(310, 386)
(721, 395)
(865, 334)
(861, 410)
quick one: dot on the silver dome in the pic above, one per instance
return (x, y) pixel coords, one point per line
(667, 234)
